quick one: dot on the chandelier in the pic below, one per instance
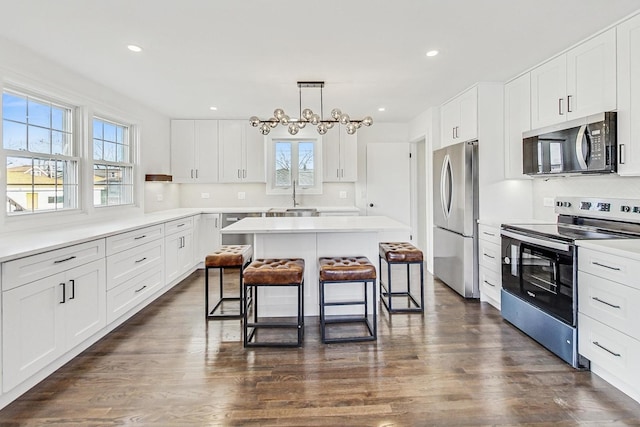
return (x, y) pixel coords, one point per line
(307, 116)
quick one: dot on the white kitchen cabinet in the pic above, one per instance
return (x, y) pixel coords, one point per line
(208, 236)
(578, 83)
(47, 317)
(608, 317)
(628, 34)
(178, 244)
(517, 119)
(459, 118)
(241, 152)
(490, 264)
(194, 151)
(339, 155)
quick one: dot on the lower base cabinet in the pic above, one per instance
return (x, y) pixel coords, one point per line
(44, 319)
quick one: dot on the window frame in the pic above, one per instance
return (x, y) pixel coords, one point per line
(132, 165)
(272, 139)
(75, 159)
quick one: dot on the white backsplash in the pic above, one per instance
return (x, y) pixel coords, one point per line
(613, 186)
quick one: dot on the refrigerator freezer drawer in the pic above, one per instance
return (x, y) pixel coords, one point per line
(455, 262)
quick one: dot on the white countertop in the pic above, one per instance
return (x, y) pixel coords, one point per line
(628, 248)
(497, 222)
(318, 224)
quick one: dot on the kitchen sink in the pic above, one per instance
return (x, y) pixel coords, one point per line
(292, 212)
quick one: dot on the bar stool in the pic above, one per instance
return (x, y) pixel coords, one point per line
(341, 271)
(400, 253)
(269, 273)
(228, 256)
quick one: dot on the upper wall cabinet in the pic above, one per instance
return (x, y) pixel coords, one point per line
(629, 97)
(339, 155)
(194, 151)
(459, 118)
(576, 84)
(517, 119)
(241, 152)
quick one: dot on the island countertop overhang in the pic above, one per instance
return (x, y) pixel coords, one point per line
(328, 224)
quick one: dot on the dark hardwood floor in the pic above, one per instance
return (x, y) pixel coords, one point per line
(459, 364)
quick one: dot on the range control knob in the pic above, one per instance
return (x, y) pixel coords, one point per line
(624, 208)
(567, 204)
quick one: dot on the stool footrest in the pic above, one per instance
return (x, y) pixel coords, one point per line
(337, 303)
(365, 321)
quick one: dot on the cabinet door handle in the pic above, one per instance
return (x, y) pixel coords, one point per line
(488, 234)
(604, 302)
(489, 283)
(191, 173)
(342, 173)
(59, 261)
(140, 237)
(606, 349)
(560, 112)
(216, 222)
(569, 103)
(140, 260)
(453, 132)
(196, 173)
(138, 290)
(238, 173)
(180, 225)
(64, 293)
(337, 173)
(621, 156)
(489, 256)
(244, 173)
(605, 266)
(73, 289)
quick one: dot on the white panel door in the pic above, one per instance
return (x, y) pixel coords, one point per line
(254, 151)
(591, 76)
(182, 150)
(388, 181)
(468, 127)
(548, 89)
(206, 151)
(230, 150)
(629, 97)
(331, 155)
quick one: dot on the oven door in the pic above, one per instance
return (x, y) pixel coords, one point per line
(541, 272)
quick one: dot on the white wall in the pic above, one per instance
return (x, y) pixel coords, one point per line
(583, 185)
(22, 68)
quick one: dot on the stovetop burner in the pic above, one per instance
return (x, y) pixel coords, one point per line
(568, 232)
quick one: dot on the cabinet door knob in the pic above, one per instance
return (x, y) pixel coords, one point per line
(370, 205)
(560, 112)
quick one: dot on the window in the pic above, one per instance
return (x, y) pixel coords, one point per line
(294, 160)
(112, 165)
(37, 136)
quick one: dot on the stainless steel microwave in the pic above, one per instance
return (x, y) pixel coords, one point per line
(582, 146)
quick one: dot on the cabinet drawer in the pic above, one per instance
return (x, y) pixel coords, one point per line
(612, 350)
(126, 296)
(131, 239)
(489, 233)
(24, 270)
(490, 283)
(126, 264)
(612, 267)
(611, 303)
(489, 256)
(177, 225)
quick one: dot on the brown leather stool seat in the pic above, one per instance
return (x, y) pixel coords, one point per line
(228, 256)
(344, 271)
(401, 253)
(269, 273)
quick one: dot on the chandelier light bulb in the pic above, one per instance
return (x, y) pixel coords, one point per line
(273, 122)
(367, 121)
(307, 113)
(278, 113)
(265, 129)
(315, 119)
(351, 128)
(302, 123)
(293, 128)
(329, 124)
(284, 120)
(255, 121)
(336, 113)
(344, 118)
(322, 128)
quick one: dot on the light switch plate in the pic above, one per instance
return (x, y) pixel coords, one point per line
(343, 194)
(241, 195)
(204, 195)
(548, 202)
(159, 197)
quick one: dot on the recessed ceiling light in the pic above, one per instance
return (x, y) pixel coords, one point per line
(432, 53)
(134, 48)
(213, 108)
(381, 109)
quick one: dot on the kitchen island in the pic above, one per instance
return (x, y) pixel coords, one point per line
(310, 238)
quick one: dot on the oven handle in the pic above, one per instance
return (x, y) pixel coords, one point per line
(535, 241)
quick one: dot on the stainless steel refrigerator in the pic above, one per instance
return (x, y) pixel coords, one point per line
(455, 217)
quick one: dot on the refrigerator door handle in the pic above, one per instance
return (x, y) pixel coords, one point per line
(446, 189)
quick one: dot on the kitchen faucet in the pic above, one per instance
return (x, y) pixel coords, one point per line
(294, 194)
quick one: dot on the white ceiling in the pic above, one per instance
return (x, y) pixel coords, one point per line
(245, 56)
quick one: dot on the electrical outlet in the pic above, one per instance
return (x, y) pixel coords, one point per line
(204, 195)
(159, 197)
(241, 195)
(343, 194)
(548, 202)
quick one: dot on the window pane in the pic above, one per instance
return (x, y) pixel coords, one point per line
(109, 132)
(306, 169)
(283, 164)
(97, 129)
(122, 153)
(61, 143)
(39, 140)
(58, 118)
(120, 135)
(109, 153)
(97, 149)
(14, 135)
(14, 108)
(38, 114)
